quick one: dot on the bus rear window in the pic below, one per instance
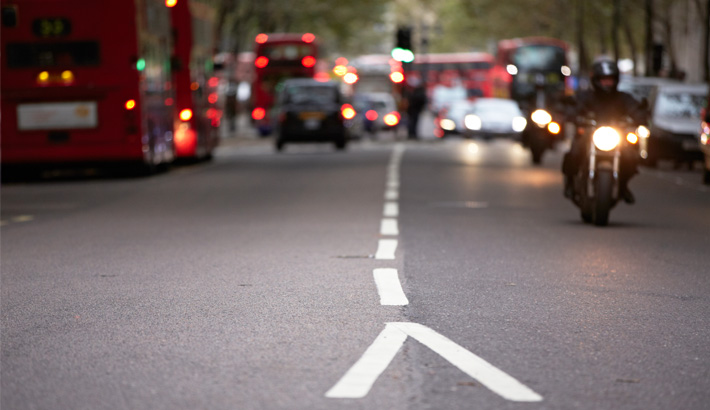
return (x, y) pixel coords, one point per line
(31, 55)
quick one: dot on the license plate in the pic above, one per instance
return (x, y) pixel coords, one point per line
(311, 115)
(52, 116)
(311, 124)
(691, 145)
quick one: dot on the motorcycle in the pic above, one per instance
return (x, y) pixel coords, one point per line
(596, 184)
(545, 126)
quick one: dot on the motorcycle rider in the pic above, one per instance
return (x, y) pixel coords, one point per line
(607, 103)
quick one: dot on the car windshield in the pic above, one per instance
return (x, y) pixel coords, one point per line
(680, 105)
(298, 94)
(497, 107)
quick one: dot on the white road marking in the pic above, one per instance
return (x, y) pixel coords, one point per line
(386, 249)
(389, 226)
(357, 382)
(391, 195)
(391, 209)
(393, 184)
(389, 287)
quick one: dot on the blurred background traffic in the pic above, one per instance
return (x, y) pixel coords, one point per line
(164, 81)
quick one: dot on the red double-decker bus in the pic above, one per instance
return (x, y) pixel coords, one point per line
(198, 116)
(278, 57)
(469, 71)
(86, 81)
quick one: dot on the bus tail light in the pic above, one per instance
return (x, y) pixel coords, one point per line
(130, 104)
(308, 61)
(261, 62)
(347, 111)
(170, 3)
(258, 114)
(308, 38)
(186, 114)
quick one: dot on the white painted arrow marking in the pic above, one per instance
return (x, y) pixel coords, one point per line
(358, 381)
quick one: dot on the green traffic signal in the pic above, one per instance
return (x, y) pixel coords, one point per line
(403, 55)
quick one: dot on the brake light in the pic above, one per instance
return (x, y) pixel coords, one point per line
(391, 119)
(371, 115)
(130, 104)
(258, 114)
(308, 38)
(261, 38)
(347, 111)
(170, 3)
(308, 61)
(261, 62)
(186, 114)
(397, 77)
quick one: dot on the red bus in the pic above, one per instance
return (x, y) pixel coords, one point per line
(520, 62)
(278, 57)
(198, 116)
(86, 81)
(469, 71)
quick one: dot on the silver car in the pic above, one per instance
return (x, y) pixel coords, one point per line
(495, 118)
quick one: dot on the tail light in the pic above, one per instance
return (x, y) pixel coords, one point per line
(130, 104)
(391, 119)
(308, 61)
(347, 111)
(258, 114)
(371, 115)
(186, 114)
(261, 62)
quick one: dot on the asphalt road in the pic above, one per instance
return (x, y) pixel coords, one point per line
(250, 283)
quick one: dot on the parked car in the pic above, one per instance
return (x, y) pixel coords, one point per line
(642, 87)
(312, 111)
(675, 113)
(495, 118)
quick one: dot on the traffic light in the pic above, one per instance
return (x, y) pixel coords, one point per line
(403, 45)
(404, 38)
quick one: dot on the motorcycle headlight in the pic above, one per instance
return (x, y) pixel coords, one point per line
(473, 122)
(632, 138)
(606, 138)
(519, 124)
(541, 117)
(643, 132)
(554, 128)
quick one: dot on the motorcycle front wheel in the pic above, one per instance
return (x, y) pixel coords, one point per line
(604, 183)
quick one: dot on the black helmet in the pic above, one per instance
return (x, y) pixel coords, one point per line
(605, 68)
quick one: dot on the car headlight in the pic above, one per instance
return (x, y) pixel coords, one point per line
(447, 124)
(473, 122)
(519, 124)
(643, 132)
(606, 138)
(541, 117)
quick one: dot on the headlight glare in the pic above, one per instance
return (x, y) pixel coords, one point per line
(447, 124)
(519, 124)
(541, 117)
(473, 122)
(643, 132)
(606, 138)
